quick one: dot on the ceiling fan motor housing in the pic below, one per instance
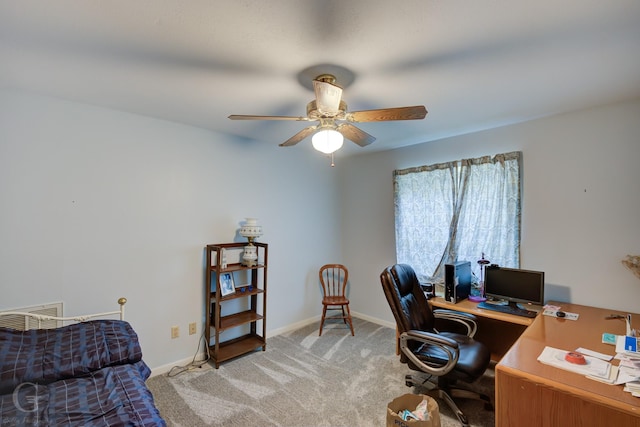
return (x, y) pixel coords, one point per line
(315, 114)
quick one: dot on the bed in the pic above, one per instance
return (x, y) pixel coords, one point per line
(89, 373)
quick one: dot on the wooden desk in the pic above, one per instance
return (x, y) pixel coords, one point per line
(529, 393)
(498, 331)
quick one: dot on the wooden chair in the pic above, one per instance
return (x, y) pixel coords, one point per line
(334, 279)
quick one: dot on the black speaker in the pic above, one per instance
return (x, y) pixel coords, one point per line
(457, 281)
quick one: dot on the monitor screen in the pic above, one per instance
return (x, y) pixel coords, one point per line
(514, 285)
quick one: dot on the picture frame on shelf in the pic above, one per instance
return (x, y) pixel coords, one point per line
(227, 287)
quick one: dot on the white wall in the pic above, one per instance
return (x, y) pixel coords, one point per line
(580, 207)
(97, 204)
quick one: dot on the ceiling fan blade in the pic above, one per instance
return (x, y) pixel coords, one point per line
(246, 117)
(328, 96)
(356, 135)
(386, 114)
(299, 136)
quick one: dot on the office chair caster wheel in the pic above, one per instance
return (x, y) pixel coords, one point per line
(488, 406)
(408, 381)
(464, 421)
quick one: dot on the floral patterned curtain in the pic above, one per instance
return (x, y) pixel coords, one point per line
(456, 211)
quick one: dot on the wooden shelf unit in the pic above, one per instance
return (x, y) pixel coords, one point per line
(254, 315)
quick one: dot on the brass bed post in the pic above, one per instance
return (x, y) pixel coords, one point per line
(122, 301)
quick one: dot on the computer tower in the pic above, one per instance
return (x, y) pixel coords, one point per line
(457, 281)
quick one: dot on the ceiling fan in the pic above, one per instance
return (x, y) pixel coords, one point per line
(335, 122)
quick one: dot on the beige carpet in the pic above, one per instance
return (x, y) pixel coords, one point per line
(303, 380)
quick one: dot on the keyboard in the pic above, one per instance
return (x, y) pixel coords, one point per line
(508, 309)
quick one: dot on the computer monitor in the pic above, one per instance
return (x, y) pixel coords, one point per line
(514, 286)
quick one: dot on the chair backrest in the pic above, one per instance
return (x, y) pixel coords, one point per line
(406, 299)
(334, 279)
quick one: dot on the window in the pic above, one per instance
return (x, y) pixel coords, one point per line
(458, 211)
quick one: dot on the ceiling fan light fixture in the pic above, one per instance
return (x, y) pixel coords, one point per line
(328, 94)
(327, 141)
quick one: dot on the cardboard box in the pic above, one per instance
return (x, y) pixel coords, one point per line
(411, 402)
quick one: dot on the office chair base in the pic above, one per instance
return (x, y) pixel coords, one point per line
(446, 394)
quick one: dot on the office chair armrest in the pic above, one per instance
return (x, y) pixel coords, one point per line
(466, 319)
(447, 345)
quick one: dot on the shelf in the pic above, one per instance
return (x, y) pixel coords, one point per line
(234, 245)
(236, 267)
(249, 320)
(237, 347)
(237, 319)
(237, 294)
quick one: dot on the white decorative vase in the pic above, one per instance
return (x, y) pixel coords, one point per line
(250, 256)
(251, 230)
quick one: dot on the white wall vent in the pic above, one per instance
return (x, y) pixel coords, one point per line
(24, 323)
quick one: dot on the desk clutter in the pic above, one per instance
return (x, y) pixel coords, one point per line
(563, 359)
(535, 380)
(597, 366)
(554, 311)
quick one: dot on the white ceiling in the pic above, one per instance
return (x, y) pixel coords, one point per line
(473, 64)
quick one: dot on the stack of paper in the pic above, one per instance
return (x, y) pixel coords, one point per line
(633, 387)
(611, 378)
(594, 366)
(597, 365)
(629, 355)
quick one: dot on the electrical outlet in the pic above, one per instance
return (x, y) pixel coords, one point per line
(175, 332)
(192, 328)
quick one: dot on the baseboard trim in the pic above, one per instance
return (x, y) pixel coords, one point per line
(374, 320)
(163, 369)
(293, 326)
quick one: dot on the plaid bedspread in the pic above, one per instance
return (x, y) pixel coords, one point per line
(45, 355)
(111, 396)
(86, 374)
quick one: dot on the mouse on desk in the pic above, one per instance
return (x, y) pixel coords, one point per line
(560, 314)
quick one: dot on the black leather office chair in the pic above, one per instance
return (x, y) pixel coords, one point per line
(446, 356)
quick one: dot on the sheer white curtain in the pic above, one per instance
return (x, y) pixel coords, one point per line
(457, 211)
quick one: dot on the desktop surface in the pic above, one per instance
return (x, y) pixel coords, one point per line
(471, 307)
(498, 331)
(519, 369)
(508, 308)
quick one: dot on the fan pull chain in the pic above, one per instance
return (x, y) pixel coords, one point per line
(332, 163)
